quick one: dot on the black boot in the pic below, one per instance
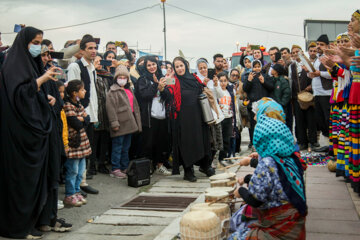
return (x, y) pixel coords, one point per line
(209, 171)
(189, 175)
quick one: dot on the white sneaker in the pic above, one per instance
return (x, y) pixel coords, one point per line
(60, 205)
(162, 170)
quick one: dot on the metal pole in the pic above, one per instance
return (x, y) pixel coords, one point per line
(163, 2)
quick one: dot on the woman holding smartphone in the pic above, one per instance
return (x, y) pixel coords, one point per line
(190, 134)
(150, 93)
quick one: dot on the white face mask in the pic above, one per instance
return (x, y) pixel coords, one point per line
(164, 71)
(121, 82)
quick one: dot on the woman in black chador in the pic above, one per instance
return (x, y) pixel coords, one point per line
(191, 135)
(25, 126)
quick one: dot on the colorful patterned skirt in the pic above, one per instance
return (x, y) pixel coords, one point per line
(342, 157)
(334, 127)
(284, 222)
(354, 148)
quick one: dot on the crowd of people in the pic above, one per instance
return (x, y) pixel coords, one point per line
(65, 119)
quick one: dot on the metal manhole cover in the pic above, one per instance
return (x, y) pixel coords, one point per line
(159, 203)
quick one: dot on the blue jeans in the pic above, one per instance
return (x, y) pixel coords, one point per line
(73, 176)
(120, 152)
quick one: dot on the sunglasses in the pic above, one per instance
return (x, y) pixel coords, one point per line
(235, 75)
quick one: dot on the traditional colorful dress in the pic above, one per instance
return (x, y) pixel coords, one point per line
(276, 189)
(339, 123)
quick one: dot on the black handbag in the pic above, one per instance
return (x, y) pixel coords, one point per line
(139, 172)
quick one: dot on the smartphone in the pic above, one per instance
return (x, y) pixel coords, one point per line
(106, 63)
(120, 44)
(57, 55)
(17, 28)
(255, 47)
(97, 40)
(211, 73)
(170, 81)
(60, 76)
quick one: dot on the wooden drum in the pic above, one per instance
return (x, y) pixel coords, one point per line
(200, 225)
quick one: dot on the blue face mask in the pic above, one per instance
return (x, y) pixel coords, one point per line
(35, 50)
(164, 71)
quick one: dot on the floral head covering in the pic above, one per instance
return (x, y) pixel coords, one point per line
(270, 108)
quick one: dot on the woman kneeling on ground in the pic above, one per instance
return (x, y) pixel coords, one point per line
(276, 192)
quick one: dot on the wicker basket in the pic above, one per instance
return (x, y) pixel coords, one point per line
(305, 100)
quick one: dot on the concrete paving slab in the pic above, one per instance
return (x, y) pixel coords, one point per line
(330, 181)
(120, 230)
(330, 203)
(132, 220)
(332, 214)
(139, 213)
(324, 236)
(176, 190)
(333, 227)
(181, 184)
(84, 236)
(327, 195)
(327, 188)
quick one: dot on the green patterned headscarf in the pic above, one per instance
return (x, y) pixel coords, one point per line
(272, 138)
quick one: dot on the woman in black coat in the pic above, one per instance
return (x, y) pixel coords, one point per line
(190, 134)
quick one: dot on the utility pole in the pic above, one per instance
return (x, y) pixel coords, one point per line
(163, 3)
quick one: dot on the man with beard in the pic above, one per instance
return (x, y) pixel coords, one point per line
(322, 88)
(218, 63)
(286, 56)
(312, 50)
(272, 52)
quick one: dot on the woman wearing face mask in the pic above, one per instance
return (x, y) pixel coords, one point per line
(25, 125)
(124, 118)
(191, 135)
(155, 136)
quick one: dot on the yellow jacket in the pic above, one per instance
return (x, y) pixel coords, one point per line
(65, 132)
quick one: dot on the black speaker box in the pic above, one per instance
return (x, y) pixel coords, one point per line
(139, 172)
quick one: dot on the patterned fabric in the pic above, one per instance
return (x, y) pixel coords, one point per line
(270, 108)
(175, 91)
(342, 156)
(84, 149)
(334, 128)
(354, 148)
(272, 138)
(282, 222)
(265, 184)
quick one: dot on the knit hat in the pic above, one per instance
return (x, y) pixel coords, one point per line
(277, 56)
(312, 44)
(121, 70)
(323, 38)
(295, 46)
(279, 69)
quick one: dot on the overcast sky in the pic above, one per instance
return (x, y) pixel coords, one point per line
(196, 36)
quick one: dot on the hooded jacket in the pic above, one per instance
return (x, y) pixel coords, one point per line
(119, 110)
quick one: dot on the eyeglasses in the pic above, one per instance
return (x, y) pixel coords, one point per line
(235, 75)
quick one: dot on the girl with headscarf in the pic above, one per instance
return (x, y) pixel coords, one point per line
(276, 192)
(191, 135)
(26, 126)
(150, 95)
(110, 56)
